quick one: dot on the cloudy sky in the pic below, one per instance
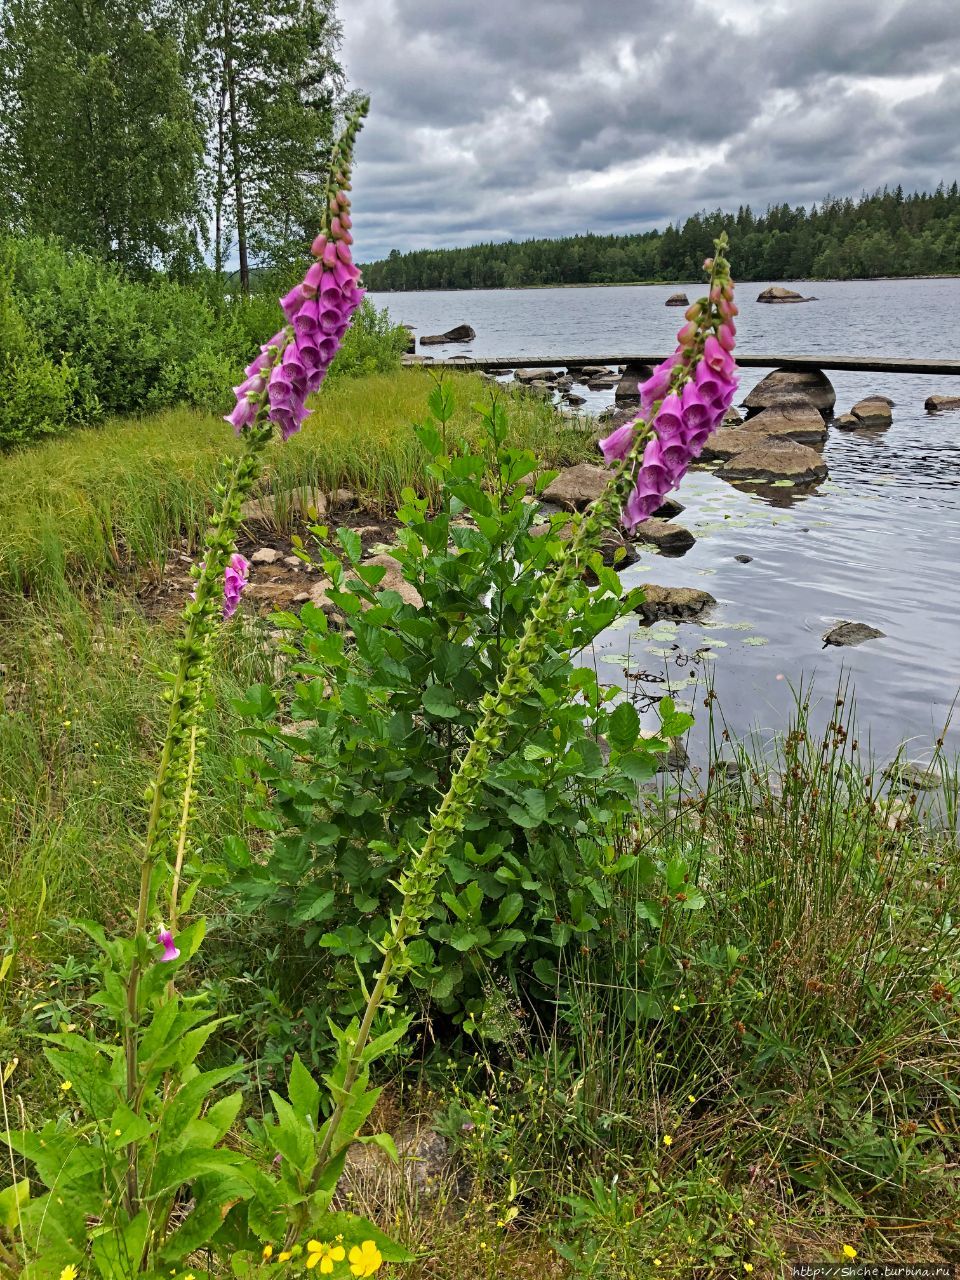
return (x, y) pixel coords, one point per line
(503, 119)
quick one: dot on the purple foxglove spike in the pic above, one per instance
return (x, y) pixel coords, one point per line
(670, 415)
(720, 361)
(165, 939)
(235, 579)
(639, 508)
(726, 336)
(343, 251)
(329, 255)
(254, 386)
(311, 281)
(318, 246)
(243, 414)
(291, 302)
(617, 445)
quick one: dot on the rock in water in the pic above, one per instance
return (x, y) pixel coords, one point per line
(677, 603)
(792, 418)
(933, 404)
(811, 383)
(677, 300)
(910, 775)
(846, 634)
(536, 375)
(628, 388)
(775, 460)
(576, 487)
(847, 422)
(670, 538)
(669, 508)
(873, 412)
(778, 294)
(460, 333)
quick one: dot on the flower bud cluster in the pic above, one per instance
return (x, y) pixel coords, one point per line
(688, 394)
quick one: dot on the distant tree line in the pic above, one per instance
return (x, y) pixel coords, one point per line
(884, 234)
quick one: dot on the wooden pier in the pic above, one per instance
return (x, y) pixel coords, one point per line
(846, 364)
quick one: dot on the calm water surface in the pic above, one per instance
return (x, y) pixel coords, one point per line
(878, 542)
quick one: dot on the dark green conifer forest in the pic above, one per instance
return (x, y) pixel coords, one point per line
(888, 233)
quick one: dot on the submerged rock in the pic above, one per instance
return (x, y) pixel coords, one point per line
(813, 384)
(776, 293)
(459, 333)
(933, 404)
(775, 460)
(675, 603)
(846, 634)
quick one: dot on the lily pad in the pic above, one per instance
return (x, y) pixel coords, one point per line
(756, 641)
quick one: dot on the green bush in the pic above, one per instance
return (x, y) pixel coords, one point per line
(98, 344)
(362, 749)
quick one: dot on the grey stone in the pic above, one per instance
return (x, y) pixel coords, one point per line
(393, 580)
(572, 398)
(266, 555)
(933, 404)
(669, 508)
(459, 333)
(535, 375)
(676, 603)
(872, 412)
(628, 388)
(846, 634)
(672, 539)
(847, 422)
(342, 500)
(778, 294)
(811, 383)
(677, 300)
(741, 559)
(576, 487)
(775, 460)
(911, 775)
(793, 418)
(274, 508)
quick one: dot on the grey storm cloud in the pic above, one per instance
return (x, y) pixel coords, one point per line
(504, 119)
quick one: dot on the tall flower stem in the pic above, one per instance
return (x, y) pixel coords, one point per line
(520, 673)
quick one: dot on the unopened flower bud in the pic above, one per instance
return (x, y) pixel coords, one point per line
(693, 311)
(687, 334)
(319, 245)
(708, 264)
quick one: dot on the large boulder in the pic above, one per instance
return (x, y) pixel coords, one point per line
(873, 412)
(793, 418)
(677, 603)
(585, 372)
(576, 487)
(459, 333)
(814, 385)
(726, 443)
(771, 459)
(778, 294)
(933, 404)
(677, 300)
(671, 539)
(628, 388)
(536, 375)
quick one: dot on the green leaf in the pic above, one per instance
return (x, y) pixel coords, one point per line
(12, 1200)
(350, 541)
(624, 726)
(439, 701)
(303, 1091)
(510, 907)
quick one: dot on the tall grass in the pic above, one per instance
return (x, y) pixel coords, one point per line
(108, 499)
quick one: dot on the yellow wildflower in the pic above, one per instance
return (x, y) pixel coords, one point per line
(667, 1140)
(691, 1098)
(849, 1251)
(285, 1256)
(65, 1088)
(748, 1266)
(658, 1262)
(69, 1272)
(365, 1259)
(267, 1252)
(325, 1254)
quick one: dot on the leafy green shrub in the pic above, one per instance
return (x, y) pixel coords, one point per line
(37, 395)
(360, 751)
(109, 345)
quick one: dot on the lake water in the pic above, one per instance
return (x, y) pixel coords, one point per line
(878, 542)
